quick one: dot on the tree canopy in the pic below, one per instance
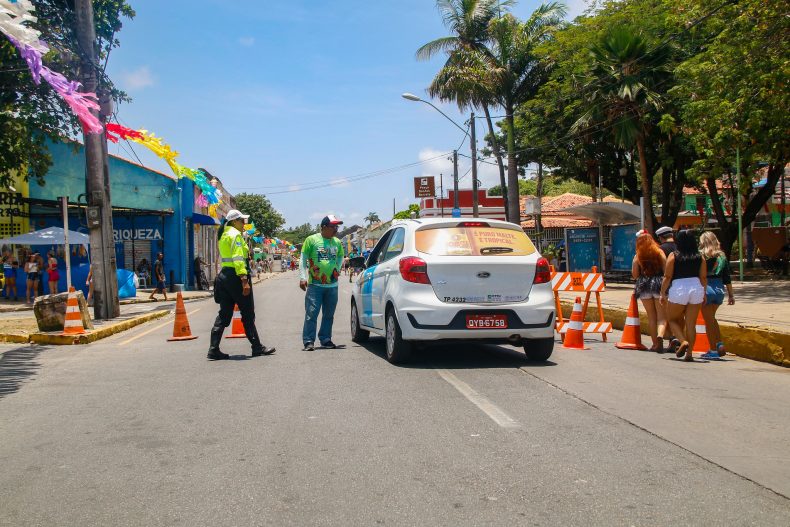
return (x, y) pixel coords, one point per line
(262, 213)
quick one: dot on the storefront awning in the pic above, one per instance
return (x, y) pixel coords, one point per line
(50, 236)
(609, 213)
(202, 219)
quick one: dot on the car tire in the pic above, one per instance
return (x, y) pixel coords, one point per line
(539, 350)
(358, 334)
(398, 350)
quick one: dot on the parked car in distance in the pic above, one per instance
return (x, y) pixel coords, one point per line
(441, 279)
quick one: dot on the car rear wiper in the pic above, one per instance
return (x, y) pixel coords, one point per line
(496, 250)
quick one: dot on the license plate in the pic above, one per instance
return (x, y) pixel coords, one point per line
(486, 321)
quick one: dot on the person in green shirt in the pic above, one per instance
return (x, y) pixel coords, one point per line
(319, 269)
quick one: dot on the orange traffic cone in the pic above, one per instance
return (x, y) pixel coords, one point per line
(574, 337)
(72, 325)
(701, 343)
(181, 330)
(632, 334)
(236, 327)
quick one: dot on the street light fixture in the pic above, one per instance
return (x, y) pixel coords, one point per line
(623, 173)
(412, 97)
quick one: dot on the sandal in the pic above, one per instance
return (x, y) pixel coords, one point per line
(682, 349)
(674, 344)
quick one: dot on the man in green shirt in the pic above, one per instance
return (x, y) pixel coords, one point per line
(319, 269)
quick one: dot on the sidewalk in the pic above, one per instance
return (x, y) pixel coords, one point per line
(18, 323)
(757, 326)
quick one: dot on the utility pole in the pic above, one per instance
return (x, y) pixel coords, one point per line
(473, 144)
(538, 219)
(455, 184)
(441, 192)
(97, 180)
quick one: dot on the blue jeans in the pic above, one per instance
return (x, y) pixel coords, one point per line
(317, 299)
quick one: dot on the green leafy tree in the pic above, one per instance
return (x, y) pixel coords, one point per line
(266, 219)
(298, 234)
(29, 112)
(519, 70)
(621, 92)
(465, 78)
(406, 214)
(733, 96)
(372, 218)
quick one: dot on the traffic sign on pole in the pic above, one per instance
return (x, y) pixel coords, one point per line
(456, 213)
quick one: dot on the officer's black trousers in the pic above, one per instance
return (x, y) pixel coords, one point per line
(228, 293)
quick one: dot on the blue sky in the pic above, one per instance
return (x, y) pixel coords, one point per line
(271, 95)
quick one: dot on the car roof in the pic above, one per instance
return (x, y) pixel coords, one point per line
(416, 223)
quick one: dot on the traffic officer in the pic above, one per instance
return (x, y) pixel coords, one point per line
(232, 287)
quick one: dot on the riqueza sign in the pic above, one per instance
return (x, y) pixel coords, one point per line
(136, 234)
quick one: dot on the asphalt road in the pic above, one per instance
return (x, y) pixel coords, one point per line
(134, 430)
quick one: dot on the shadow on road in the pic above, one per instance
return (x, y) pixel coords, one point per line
(458, 356)
(17, 366)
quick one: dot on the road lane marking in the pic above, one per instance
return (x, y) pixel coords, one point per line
(482, 402)
(160, 326)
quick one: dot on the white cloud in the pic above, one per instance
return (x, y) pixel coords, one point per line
(348, 218)
(340, 182)
(137, 79)
(295, 188)
(246, 41)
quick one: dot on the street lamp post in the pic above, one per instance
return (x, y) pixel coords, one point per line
(623, 173)
(412, 97)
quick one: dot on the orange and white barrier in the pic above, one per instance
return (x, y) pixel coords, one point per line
(237, 326)
(588, 283)
(581, 282)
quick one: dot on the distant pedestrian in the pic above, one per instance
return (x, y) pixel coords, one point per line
(648, 271)
(233, 287)
(718, 274)
(10, 266)
(683, 292)
(159, 275)
(319, 269)
(41, 272)
(144, 271)
(33, 276)
(666, 239)
(52, 273)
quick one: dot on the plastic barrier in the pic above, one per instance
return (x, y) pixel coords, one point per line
(587, 283)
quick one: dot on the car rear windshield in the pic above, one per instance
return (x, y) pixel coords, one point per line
(473, 241)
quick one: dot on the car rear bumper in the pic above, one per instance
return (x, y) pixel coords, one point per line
(430, 319)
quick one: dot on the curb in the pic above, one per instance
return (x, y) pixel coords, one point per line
(756, 343)
(59, 340)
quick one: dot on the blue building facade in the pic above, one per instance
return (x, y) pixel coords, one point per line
(152, 213)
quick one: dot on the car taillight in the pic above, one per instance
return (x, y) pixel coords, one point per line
(414, 269)
(542, 272)
(473, 224)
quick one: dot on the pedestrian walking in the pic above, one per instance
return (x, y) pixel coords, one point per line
(233, 287)
(159, 275)
(52, 273)
(666, 239)
(10, 266)
(33, 277)
(648, 271)
(718, 274)
(683, 292)
(319, 269)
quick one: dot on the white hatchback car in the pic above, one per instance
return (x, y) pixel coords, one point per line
(452, 279)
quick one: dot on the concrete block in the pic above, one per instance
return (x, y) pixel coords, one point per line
(50, 311)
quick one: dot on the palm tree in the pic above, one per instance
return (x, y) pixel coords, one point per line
(621, 92)
(372, 218)
(464, 78)
(518, 71)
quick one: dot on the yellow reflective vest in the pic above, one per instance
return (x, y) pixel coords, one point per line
(233, 250)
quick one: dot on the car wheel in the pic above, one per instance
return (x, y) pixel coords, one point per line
(539, 349)
(357, 333)
(398, 350)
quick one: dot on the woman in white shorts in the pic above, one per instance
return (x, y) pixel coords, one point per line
(683, 291)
